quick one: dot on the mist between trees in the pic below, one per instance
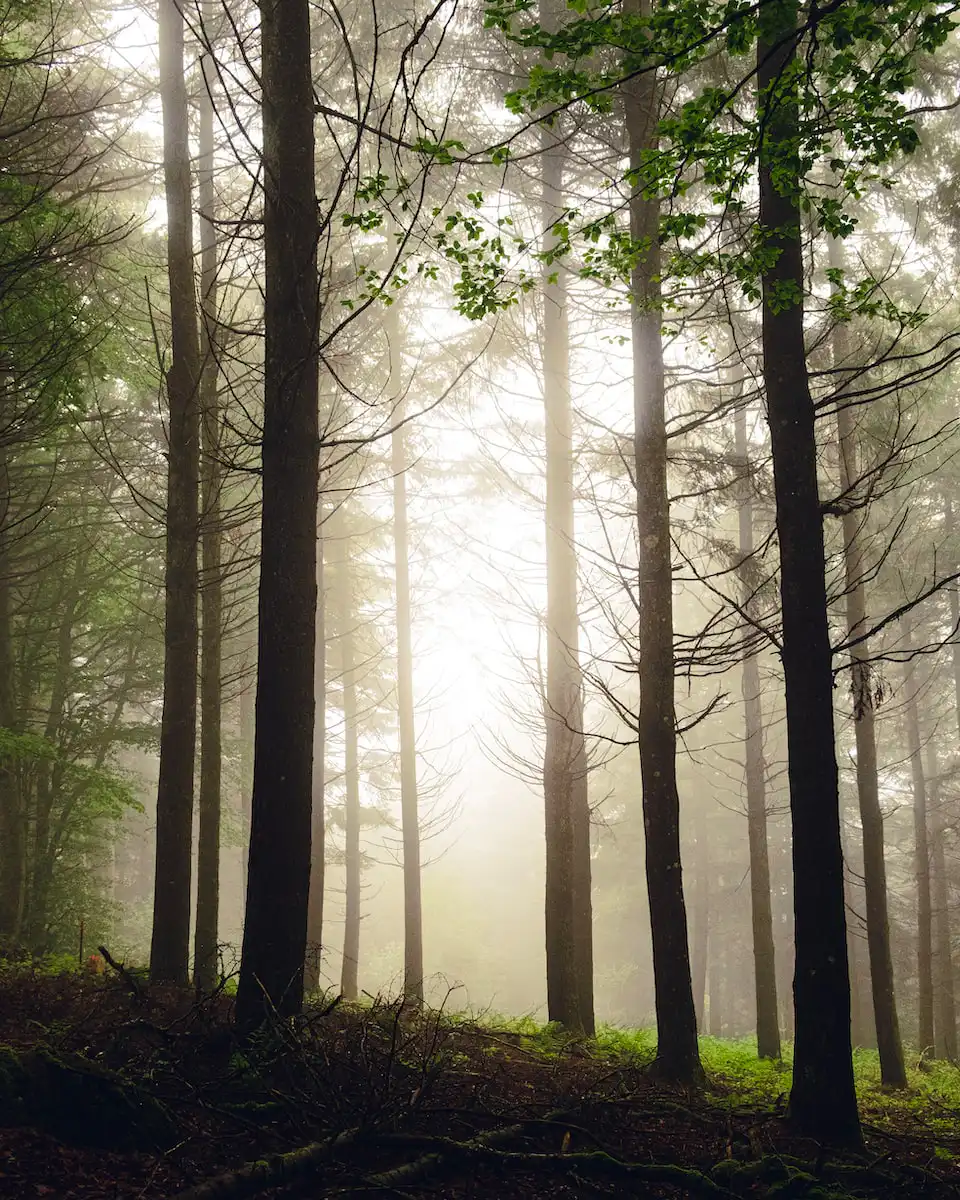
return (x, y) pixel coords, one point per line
(410, 412)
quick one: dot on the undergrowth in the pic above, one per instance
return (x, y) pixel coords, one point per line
(738, 1079)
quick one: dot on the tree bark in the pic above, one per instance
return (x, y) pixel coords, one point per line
(346, 623)
(921, 861)
(247, 721)
(761, 911)
(278, 883)
(892, 1069)
(678, 1058)
(206, 937)
(169, 950)
(12, 831)
(715, 993)
(945, 1022)
(318, 835)
(700, 944)
(568, 910)
(406, 713)
(823, 1102)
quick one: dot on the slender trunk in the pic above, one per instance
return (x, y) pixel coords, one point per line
(278, 883)
(569, 937)
(700, 943)
(206, 938)
(860, 1027)
(954, 593)
(764, 955)
(318, 835)
(12, 832)
(921, 862)
(892, 1069)
(715, 992)
(247, 701)
(678, 1058)
(945, 1024)
(823, 1102)
(169, 950)
(406, 714)
(346, 621)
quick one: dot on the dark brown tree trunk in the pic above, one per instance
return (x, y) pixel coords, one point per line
(945, 1023)
(247, 701)
(678, 1058)
(346, 622)
(169, 950)
(892, 1069)
(206, 937)
(12, 830)
(569, 936)
(761, 911)
(823, 1101)
(318, 836)
(406, 713)
(921, 860)
(700, 942)
(278, 883)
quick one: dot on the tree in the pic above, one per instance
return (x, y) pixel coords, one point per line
(678, 1058)
(892, 1069)
(764, 957)
(211, 592)
(169, 947)
(945, 1025)
(278, 880)
(568, 917)
(406, 714)
(823, 1102)
(921, 846)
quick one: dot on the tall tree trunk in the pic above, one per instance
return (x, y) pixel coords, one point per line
(678, 1057)
(169, 949)
(954, 593)
(568, 911)
(823, 1102)
(761, 911)
(206, 937)
(12, 831)
(892, 1069)
(247, 716)
(278, 883)
(945, 1023)
(318, 835)
(921, 861)
(715, 991)
(700, 942)
(347, 621)
(406, 715)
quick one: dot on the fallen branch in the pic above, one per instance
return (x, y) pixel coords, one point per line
(124, 974)
(596, 1163)
(275, 1171)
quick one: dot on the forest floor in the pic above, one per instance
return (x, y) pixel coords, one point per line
(110, 1090)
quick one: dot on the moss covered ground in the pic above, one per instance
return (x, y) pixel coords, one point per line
(109, 1091)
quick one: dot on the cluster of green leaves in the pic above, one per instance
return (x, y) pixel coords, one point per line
(846, 92)
(98, 794)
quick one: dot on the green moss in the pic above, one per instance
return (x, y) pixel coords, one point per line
(77, 1100)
